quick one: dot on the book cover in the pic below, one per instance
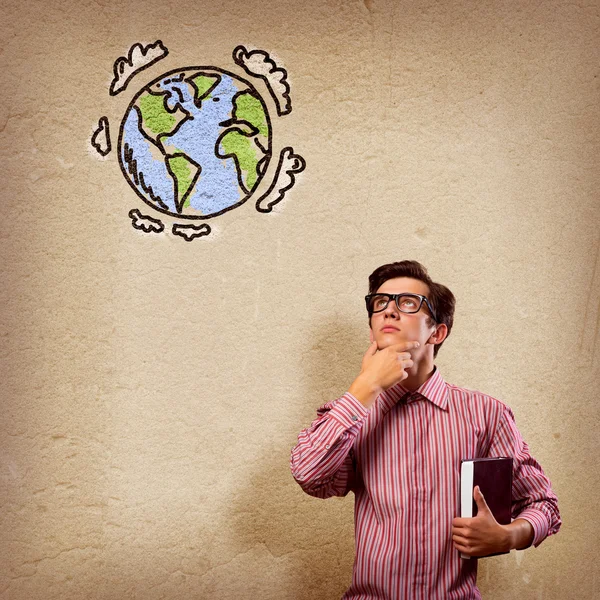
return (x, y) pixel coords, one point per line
(494, 478)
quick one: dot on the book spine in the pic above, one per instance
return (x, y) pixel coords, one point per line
(467, 471)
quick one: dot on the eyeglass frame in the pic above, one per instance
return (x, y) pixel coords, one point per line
(395, 297)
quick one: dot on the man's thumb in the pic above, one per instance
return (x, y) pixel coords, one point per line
(480, 500)
(372, 349)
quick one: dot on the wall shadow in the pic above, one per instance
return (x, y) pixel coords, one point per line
(313, 538)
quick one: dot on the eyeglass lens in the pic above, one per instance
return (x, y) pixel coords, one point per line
(405, 303)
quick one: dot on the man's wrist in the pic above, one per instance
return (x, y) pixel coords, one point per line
(365, 391)
(507, 539)
(520, 534)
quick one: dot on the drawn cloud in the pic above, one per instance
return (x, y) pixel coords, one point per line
(190, 232)
(289, 166)
(101, 137)
(145, 223)
(138, 58)
(259, 63)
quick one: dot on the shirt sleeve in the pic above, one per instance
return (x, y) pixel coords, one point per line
(322, 461)
(533, 498)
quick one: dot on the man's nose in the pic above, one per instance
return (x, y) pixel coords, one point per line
(391, 310)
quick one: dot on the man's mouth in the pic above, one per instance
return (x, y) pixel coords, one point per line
(389, 329)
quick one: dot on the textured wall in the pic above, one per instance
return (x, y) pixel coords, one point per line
(152, 388)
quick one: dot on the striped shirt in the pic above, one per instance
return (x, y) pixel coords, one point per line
(401, 458)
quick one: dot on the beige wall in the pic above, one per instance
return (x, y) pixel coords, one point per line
(152, 388)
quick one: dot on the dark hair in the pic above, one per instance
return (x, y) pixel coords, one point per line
(442, 300)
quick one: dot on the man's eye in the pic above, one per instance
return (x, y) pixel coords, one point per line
(409, 303)
(380, 302)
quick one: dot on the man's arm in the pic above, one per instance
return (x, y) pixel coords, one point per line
(533, 498)
(322, 461)
(534, 507)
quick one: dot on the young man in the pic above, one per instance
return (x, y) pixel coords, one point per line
(397, 438)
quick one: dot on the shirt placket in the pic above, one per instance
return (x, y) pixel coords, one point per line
(419, 497)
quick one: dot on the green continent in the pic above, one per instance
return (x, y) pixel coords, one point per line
(203, 84)
(154, 114)
(246, 153)
(249, 108)
(184, 173)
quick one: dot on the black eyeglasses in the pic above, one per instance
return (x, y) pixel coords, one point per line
(406, 303)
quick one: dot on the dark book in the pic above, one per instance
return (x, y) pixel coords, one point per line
(494, 478)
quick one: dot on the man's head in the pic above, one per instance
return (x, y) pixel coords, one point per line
(432, 322)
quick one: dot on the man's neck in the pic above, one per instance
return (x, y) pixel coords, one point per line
(418, 375)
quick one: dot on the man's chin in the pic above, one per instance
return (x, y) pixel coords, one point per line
(389, 339)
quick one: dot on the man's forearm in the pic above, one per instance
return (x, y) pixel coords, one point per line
(321, 461)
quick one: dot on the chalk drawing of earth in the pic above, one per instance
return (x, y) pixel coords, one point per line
(195, 142)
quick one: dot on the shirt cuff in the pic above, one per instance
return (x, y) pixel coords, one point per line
(538, 521)
(348, 411)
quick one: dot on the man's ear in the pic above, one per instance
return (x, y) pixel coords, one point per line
(439, 335)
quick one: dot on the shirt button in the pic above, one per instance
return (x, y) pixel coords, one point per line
(327, 446)
(354, 418)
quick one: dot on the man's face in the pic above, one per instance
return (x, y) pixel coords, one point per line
(390, 326)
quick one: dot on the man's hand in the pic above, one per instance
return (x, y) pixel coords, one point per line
(381, 369)
(480, 535)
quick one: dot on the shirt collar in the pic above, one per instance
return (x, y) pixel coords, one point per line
(434, 389)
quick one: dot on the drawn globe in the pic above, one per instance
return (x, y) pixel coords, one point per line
(195, 142)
